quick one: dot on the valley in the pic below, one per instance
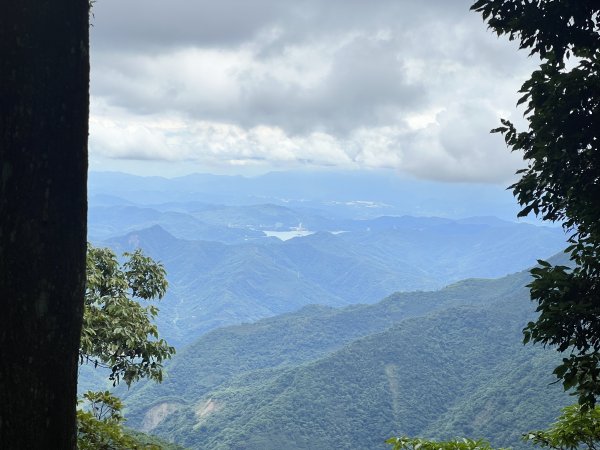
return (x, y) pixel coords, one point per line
(287, 343)
(434, 364)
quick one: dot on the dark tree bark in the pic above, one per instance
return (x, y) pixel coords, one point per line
(44, 85)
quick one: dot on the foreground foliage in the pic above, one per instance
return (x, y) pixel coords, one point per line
(118, 331)
(119, 334)
(406, 443)
(100, 426)
(561, 181)
(576, 428)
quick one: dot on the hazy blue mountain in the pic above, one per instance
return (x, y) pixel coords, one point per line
(350, 194)
(107, 200)
(459, 249)
(267, 217)
(214, 284)
(115, 220)
(437, 364)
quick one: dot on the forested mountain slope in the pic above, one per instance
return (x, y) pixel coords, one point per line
(213, 284)
(437, 364)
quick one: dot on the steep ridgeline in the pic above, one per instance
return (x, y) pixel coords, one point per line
(437, 364)
(214, 284)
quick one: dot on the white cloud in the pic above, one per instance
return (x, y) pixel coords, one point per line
(405, 84)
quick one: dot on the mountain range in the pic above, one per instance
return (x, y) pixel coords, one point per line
(274, 304)
(437, 364)
(354, 194)
(214, 284)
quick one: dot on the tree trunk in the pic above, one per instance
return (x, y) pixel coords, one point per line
(44, 85)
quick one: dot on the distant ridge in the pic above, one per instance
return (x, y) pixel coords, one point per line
(215, 283)
(340, 191)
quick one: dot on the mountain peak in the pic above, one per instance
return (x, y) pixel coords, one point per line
(146, 238)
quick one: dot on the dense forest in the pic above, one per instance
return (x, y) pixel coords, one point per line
(437, 364)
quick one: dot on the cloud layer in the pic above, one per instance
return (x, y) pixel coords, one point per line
(269, 84)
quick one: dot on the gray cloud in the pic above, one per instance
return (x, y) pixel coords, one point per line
(385, 83)
(352, 94)
(156, 24)
(153, 24)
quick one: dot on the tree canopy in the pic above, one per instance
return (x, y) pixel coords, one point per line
(561, 182)
(576, 428)
(118, 333)
(118, 330)
(407, 443)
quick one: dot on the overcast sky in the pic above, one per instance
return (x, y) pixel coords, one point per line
(239, 86)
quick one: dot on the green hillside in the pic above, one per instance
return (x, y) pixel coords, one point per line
(213, 284)
(436, 364)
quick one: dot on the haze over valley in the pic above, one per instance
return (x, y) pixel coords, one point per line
(360, 313)
(223, 269)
